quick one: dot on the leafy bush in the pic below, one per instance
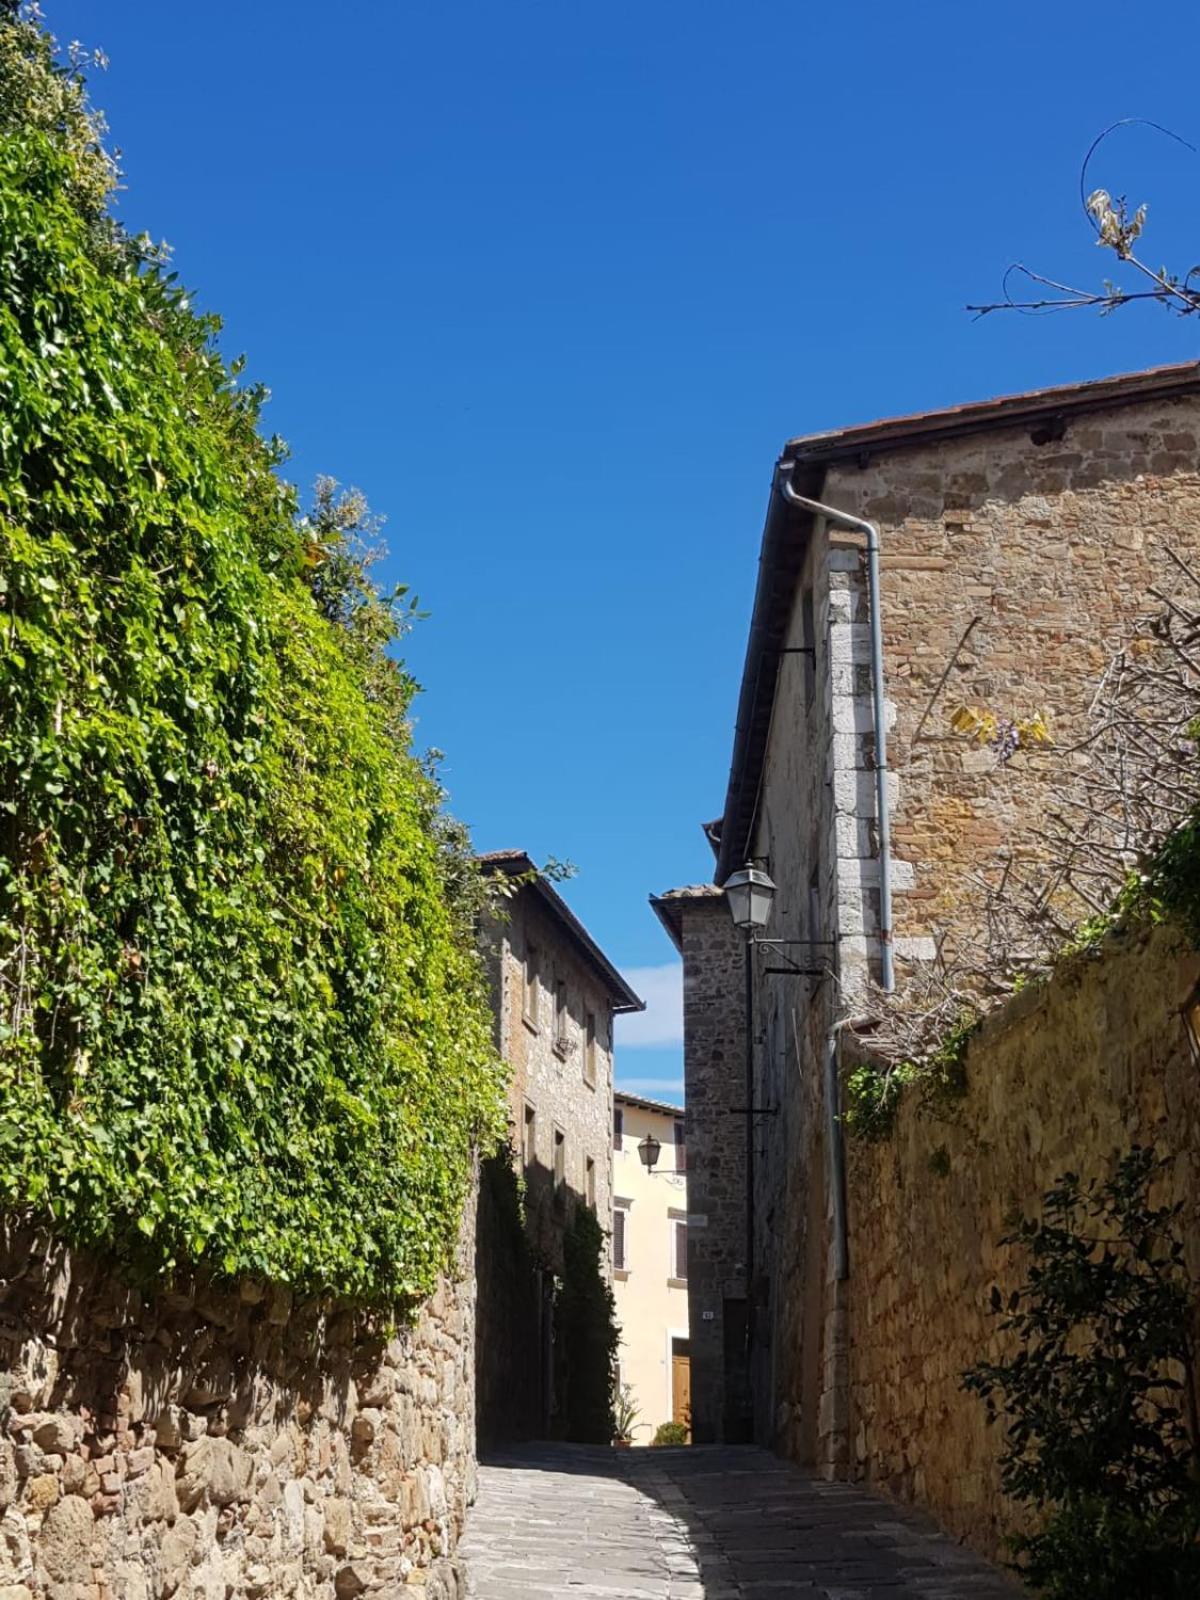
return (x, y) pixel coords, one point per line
(587, 1334)
(242, 1022)
(1100, 1398)
(671, 1433)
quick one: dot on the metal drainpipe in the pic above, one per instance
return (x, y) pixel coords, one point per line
(883, 810)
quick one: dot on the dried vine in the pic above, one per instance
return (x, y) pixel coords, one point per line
(1115, 838)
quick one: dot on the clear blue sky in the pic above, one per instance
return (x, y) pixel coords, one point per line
(553, 282)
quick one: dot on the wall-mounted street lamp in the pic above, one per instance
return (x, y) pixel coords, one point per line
(749, 894)
(649, 1151)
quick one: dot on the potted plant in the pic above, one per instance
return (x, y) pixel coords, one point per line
(625, 1417)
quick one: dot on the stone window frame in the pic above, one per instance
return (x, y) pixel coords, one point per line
(562, 1017)
(679, 1139)
(677, 1221)
(559, 1162)
(531, 988)
(529, 1136)
(590, 1049)
(621, 1267)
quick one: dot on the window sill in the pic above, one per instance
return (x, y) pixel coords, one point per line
(529, 1023)
(677, 1283)
(621, 1274)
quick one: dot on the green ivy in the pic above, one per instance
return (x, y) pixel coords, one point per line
(242, 1020)
(873, 1096)
(586, 1334)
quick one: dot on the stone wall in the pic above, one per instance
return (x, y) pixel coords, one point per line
(1011, 570)
(547, 1070)
(216, 1444)
(1064, 1078)
(714, 1080)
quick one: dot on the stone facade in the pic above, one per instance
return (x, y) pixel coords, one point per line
(714, 1079)
(1064, 1078)
(554, 997)
(225, 1444)
(1018, 546)
(1046, 554)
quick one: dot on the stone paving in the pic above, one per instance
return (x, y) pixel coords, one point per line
(706, 1523)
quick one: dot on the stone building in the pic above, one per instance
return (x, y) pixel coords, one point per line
(650, 1260)
(1019, 538)
(555, 994)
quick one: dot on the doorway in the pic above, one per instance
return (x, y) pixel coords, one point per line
(681, 1383)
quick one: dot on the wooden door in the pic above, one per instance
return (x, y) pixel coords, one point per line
(681, 1382)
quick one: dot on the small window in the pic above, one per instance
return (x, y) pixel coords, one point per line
(680, 1147)
(561, 1015)
(589, 1050)
(589, 1183)
(532, 1002)
(529, 1137)
(618, 1127)
(560, 1158)
(679, 1251)
(814, 901)
(621, 1238)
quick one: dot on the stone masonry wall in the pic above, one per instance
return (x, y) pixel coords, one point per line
(517, 1376)
(1064, 1078)
(714, 1069)
(216, 1444)
(1010, 571)
(548, 1076)
(1015, 568)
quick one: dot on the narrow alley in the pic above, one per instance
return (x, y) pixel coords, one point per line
(704, 1523)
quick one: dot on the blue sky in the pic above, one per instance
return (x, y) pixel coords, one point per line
(552, 283)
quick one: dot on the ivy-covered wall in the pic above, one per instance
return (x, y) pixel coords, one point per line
(242, 1023)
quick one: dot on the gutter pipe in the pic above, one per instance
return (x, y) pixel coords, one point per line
(844, 519)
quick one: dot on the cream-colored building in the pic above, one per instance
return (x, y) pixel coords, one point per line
(649, 1245)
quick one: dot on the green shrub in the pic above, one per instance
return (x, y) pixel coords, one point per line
(242, 1022)
(671, 1433)
(1099, 1397)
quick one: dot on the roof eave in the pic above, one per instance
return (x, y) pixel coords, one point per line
(516, 863)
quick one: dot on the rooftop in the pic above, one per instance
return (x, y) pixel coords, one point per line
(1005, 411)
(1043, 413)
(668, 906)
(518, 863)
(622, 1098)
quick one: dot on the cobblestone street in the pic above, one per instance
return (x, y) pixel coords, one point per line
(700, 1524)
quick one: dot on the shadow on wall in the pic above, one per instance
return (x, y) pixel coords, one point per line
(539, 1360)
(163, 1419)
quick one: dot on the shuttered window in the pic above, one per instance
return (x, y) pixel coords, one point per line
(620, 1221)
(680, 1233)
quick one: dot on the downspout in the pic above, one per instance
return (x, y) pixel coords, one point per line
(837, 1150)
(844, 519)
